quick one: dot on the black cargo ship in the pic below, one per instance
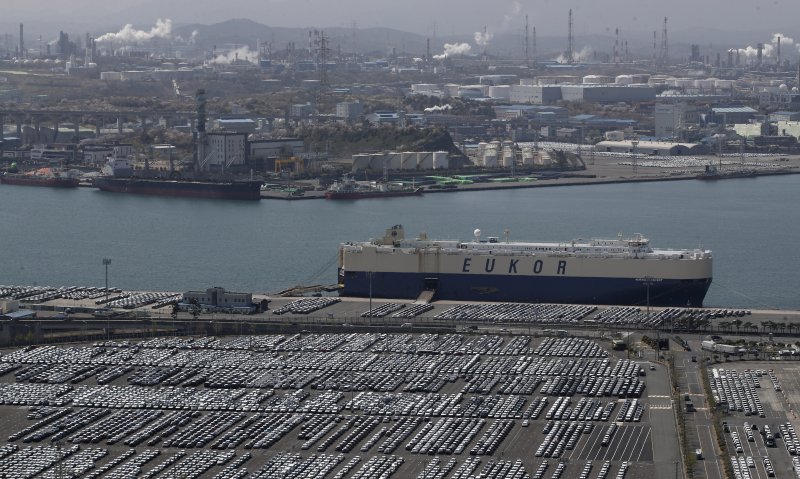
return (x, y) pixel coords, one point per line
(227, 190)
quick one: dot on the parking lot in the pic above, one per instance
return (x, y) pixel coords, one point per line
(335, 405)
(761, 419)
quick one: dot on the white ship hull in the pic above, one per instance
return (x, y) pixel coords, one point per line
(611, 273)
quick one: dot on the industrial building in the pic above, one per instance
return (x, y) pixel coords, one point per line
(217, 298)
(733, 115)
(349, 110)
(535, 94)
(236, 124)
(669, 119)
(600, 93)
(652, 148)
(225, 150)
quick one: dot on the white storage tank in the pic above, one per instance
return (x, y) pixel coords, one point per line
(408, 160)
(361, 162)
(623, 80)
(376, 161)
(684, 83)
(441, 160)
(640, 78)
(659, 80)
(392, 160)
(724, 84)
(451, 89)
(596, 79)
(544, 159)
(490, 159)
(482, 146)
(508, 156)
(425, 160)
(616, 135)
(527, 156)
(705, 84)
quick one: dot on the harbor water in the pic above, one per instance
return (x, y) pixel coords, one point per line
(59, 237)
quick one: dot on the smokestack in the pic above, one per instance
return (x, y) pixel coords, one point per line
(200, 130)
(760, 55)
(428, 50)
(21, 41)
(779, 54)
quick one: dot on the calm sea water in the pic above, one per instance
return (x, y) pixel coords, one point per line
(59, 237)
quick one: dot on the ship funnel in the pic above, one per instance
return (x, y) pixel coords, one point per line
(393, 235)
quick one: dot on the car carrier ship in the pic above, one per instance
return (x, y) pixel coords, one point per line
(620, 271)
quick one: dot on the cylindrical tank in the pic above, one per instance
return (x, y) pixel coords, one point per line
(623, 80)
(392, 160)
(508, 156)
(490, 159)
(705, 83)
(361, 162)
(451, 89)
(543, 159)
(376, 161)
(527, 156)
(482, 146)
(425, 160)
(640, 78)
(724, 84)
(408, 160)
(596, 79)
(441, 160)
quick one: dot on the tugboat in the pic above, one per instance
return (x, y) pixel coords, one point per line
(349, 189)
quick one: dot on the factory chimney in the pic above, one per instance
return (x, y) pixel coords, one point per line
(760, 54)
(779, 54)
(21, 41)
(200, 130)
(570, 47)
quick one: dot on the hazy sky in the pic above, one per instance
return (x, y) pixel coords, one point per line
(450, 16)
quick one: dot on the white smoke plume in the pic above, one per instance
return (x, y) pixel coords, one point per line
(453, 49)
(243, 53)
(771, 47)
(581, 56)
(513, 14)
(437, 108)
(482, 39)
(129, 34)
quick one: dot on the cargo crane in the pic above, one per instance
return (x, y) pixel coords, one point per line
(297, 165)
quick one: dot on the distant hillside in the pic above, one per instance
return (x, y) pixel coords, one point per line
(247, 32)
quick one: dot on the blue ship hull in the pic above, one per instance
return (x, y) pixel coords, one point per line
(529, 289)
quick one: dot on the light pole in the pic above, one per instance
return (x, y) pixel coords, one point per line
(106, 262)
(647, 281)
(370, 297)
